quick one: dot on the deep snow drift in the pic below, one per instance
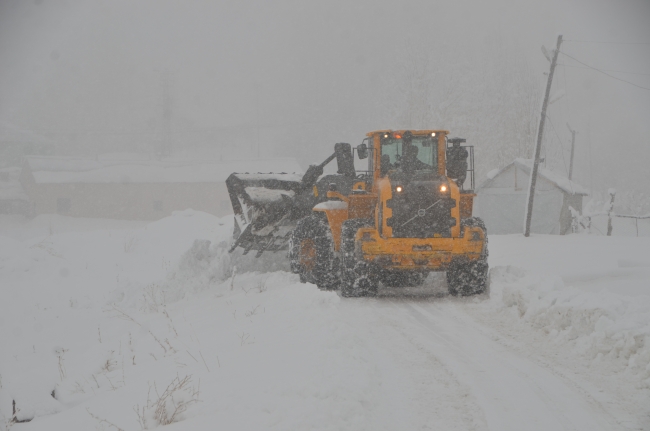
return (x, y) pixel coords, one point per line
(129, 325)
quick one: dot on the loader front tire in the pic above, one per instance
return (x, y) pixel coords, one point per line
(311, 251)
(357, 277)
(466, 277)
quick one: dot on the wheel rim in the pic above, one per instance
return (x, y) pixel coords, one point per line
(308, 254)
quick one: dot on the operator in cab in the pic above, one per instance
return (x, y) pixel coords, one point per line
(410, 161)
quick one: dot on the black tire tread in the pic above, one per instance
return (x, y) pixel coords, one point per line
(465, 277)
(357, 277)
(325, 271)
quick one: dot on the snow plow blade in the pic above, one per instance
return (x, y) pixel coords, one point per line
(265, 212)
(267, 207)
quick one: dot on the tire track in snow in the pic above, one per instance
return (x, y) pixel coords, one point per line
(616, 406)
(513, 392)
(440, 401)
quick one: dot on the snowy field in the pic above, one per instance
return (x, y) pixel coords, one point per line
(116, 325)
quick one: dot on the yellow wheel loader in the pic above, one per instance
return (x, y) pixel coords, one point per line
(408, 214)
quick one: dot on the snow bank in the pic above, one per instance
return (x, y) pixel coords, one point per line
(98, 322)
(100, 318)
(207, 264)
(600, 326)
(59, 276)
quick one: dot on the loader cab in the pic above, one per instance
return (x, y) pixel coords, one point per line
(407, 152)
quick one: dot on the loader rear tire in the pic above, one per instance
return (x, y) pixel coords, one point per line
(357, 275)
(311, 251)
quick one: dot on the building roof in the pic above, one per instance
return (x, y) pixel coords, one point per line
(12, 133)
(79, 170)
(555, 178)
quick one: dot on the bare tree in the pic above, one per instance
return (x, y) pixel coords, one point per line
(488, 95)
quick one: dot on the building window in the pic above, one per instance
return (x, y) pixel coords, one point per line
(157, 205)
(63, 205)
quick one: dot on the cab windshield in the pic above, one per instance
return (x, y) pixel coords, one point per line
(414, 154)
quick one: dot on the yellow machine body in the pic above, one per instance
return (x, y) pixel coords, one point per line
(377, 244)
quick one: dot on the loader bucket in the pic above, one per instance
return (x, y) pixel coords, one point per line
(265, 210)
(267, 207)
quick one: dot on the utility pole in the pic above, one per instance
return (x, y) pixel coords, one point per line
(166, 139)
(610, 209)
(573, 143)
(591, 167)
(257, 116)
(538, 146)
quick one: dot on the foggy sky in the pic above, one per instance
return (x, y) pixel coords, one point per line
(90, 75)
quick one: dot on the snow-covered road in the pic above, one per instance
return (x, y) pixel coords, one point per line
(96, 321)
(510, 391)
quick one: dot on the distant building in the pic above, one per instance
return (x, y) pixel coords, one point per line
(134, 189)
(16, 143)
(501, 200)
(13, 199)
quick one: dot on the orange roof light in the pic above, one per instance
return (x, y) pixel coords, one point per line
(398, 136)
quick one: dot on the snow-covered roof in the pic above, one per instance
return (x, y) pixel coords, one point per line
(13, 133)
(10, 187)
(555, 178)
(110, 170)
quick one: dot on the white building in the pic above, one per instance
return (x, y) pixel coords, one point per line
(16, 143)
(13, 199)
(135, 189)
(501, 200)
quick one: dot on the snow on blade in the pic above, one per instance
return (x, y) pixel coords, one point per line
(263, 194)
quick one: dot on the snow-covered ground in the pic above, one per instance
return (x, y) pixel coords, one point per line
(129, 325)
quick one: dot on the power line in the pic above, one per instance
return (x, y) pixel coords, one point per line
(566, 86)
(240, 126)
(566, 170)
(604, 73)
(607, 42)
(607, 70)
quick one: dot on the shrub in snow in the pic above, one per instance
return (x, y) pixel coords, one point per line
(153, 298)
(579, 223)
(130, 242)
(627, 202)
(169, 406)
